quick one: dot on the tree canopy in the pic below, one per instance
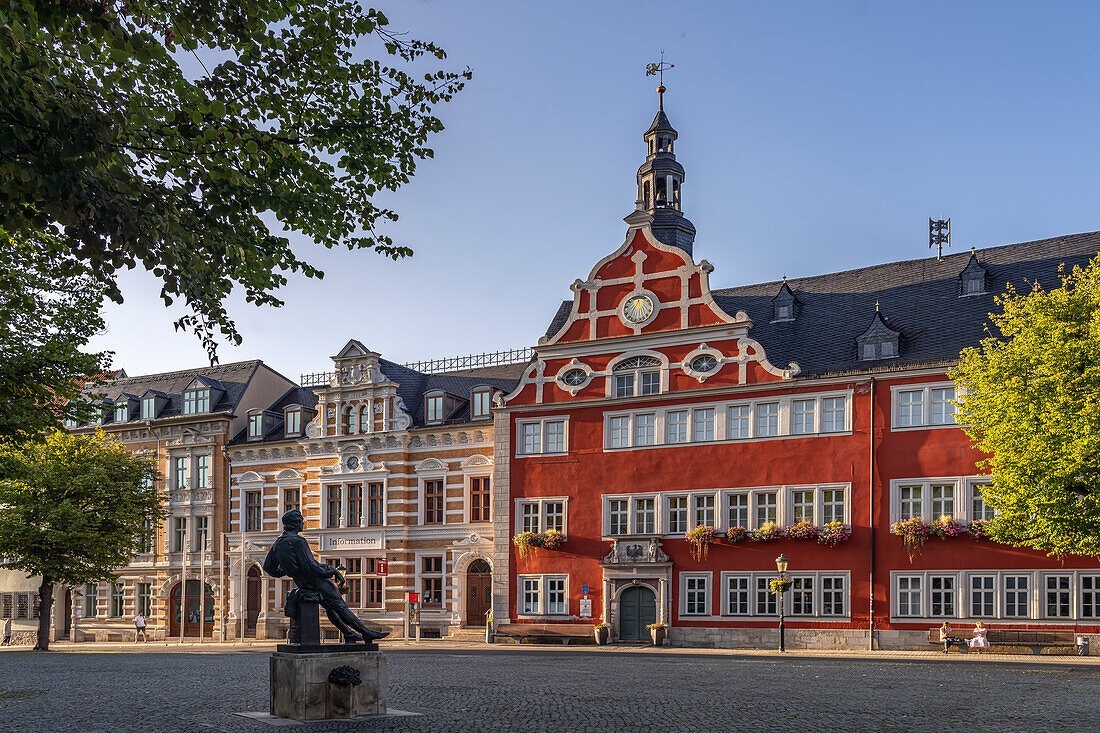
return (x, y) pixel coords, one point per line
(49, 308)
(1030, 399)
(74, 509)
(189, 137)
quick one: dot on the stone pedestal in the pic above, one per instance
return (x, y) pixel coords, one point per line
(301, 690)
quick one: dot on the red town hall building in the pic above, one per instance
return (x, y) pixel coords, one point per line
(655, 405)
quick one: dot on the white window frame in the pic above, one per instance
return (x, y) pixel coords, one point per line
(926, 405)
(431, 399)
(659, 509)
(660, 369)
(196, 398)
(543, 602)
(478, 395)
(1036, 600)
(783, 420)
(963, 493)
(708, 594)
(756, 578)
(541, 503)
(541, 422)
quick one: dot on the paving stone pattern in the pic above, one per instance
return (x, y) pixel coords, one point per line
(521, 690)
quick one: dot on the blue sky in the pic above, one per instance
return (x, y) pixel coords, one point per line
(817, 136)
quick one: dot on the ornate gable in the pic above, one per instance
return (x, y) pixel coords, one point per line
(643, 287)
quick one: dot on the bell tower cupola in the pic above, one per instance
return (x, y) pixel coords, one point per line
(661, 179)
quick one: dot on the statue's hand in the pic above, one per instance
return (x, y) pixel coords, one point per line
(339, 577)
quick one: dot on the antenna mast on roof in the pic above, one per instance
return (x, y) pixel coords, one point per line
(939, 234)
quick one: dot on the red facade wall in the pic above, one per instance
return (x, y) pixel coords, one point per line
(588, 472)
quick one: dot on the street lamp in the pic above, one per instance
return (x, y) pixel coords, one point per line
(781, 563)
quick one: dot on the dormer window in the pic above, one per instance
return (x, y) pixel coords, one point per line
(148, 408)
(122, 412)
(70, 422)
(639, 375)
(879, 341)
(293, 421)
(433, 408)
(783, 304)
(255, 425)
(196, 401)
(972, 278)
(479, 405)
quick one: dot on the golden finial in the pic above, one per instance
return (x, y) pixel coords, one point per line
(658, 70)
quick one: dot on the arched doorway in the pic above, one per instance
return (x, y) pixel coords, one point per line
(637, 609)
(191, 607)
(252, 601)
(479, 592)
(68, 606)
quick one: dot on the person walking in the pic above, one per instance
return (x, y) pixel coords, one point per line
(7, 632)
(139, 626)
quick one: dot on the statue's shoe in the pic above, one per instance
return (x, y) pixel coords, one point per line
(372, 634)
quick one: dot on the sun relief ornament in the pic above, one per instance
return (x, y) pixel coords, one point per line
(638, 309)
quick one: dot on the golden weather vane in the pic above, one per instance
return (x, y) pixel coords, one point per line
(658, 70)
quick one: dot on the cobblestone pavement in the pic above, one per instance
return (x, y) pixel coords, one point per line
(511, 689)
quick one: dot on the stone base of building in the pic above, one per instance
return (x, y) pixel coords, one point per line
(301, 688)
(760, 638)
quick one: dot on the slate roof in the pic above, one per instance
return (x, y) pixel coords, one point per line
(919, 298)
(303, 396)
(232, 378)
(660, 123)
(412, 386)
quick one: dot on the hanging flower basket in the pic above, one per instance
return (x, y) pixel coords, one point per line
(525, 542)
(778, 585)
(833, 533)
(979, 529)
(945, 527)
(767, 532)
(803, 531)
(699, 540)
(736, 535)
(551, 539)
(913, 532)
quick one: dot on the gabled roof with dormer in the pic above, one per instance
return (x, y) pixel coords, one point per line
(920, 297)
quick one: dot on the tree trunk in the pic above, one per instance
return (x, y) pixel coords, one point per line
(45, 605)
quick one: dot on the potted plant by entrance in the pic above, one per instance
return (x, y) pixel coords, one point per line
(601, 632)
(658, 631)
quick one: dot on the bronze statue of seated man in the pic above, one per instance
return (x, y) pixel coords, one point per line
(290, 555)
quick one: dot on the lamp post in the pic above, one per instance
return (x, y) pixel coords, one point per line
(781, 563)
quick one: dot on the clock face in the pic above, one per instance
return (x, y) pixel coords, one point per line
(353, 463)
(638, 308)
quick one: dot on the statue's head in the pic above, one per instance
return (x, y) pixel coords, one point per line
(293, 521)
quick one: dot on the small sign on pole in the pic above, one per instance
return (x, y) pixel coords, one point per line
(382, 566)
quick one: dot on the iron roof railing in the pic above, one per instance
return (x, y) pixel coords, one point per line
(435, 366)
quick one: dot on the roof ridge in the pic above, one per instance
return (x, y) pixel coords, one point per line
(866, 268)
(196, 371)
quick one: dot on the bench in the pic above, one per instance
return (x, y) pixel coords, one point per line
(1034, 640)
(564, 633)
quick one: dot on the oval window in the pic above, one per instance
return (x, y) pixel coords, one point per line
(703, 363)
(574, 377)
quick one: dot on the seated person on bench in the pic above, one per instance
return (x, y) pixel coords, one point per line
(947, 638)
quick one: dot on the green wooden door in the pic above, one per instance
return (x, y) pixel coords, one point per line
(637, 609)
